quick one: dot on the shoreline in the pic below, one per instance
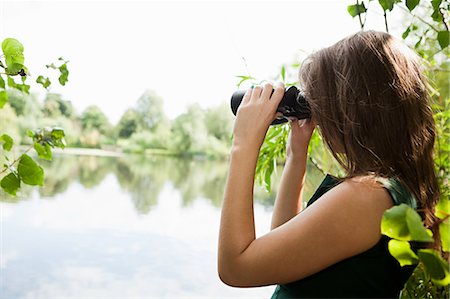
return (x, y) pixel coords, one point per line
(79, 151)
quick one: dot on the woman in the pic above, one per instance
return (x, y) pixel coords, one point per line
(368, 97)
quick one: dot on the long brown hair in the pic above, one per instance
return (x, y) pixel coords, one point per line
(369, 97)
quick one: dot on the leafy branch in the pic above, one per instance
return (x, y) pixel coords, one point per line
(28, 171)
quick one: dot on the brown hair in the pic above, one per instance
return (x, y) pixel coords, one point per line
(369, 97)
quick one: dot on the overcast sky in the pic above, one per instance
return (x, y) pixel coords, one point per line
(187, 51)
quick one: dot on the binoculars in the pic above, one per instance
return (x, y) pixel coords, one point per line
(293, 104)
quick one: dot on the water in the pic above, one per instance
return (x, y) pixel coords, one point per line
(121, 228)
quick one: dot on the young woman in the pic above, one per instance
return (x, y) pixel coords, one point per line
(369, 100)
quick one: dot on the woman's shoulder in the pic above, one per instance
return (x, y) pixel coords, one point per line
(364, 192)
(368, 188)
(359, 190)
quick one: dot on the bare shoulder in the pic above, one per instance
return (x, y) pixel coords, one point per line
(363, 191)
(363, 195)
(343, 222)
(358, 202)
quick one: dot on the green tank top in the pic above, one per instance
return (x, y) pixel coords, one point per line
(371, 274)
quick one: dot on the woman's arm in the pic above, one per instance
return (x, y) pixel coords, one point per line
(345, 221)
(237, 229)
(289, 198)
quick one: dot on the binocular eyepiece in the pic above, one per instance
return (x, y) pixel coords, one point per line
(293, 104)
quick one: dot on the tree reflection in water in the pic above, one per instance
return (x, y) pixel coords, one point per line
(145, 176)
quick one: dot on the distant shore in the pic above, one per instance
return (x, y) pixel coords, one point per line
(80, 151)
(88, 152)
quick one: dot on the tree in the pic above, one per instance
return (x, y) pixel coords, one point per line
(55, 105)
(150, 109)
(94, 118)
(219, 122)
(24, 104)
(128, 123)
(190, 133)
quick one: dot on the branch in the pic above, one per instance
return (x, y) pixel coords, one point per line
(441, 12)
(359, 16)
(419, 18)
(385, 22)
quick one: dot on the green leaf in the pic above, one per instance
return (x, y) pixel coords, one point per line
(43, 151)
(7, 142)
(14, 58)
(29, 171)
(436, 4)
(11, 47)
(58, 135)
(10, 183)
(268, 177)
(411, 4)
(23, 87)
(443, 38)
(403, 223)
(11, 82)
(51, 66)
(444, 232)
(436, 267)
(283, 73)
(402, 252)
(30, 133)
(44, 81)
(442, 208)
(406, 33)
(64, 77)
(387, 4)
(3, 98)
(436, 16)
(243, 79)
(2, 82)
(356, 9)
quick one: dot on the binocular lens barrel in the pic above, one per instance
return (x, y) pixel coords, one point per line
(293, 104)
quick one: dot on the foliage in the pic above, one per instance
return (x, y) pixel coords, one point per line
(150, 109)
(55, 105)
(128, 123)
(219, 121)
(24, 169)
(93, 118)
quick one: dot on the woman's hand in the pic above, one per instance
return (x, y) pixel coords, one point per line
(255, 114)
(299, 137)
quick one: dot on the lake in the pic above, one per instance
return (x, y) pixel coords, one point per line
(134, 226)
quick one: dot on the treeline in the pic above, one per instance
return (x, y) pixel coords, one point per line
(144, 128)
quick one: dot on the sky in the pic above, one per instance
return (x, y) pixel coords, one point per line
(186, 51)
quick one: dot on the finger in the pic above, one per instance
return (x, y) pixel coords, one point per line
(277, 94)
(267, 91)
(256, 93)
(247, 96)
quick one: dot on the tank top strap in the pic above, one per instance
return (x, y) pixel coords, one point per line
(398, 191)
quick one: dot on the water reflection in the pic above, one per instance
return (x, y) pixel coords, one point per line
(144, 176)
(133, 226)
